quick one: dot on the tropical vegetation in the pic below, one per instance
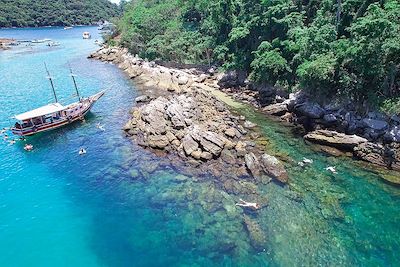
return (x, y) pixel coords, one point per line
(35, 13)
(345, 48)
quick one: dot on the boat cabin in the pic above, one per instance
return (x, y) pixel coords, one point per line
(39, 119)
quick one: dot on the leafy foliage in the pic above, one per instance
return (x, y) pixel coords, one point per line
(35, 13)
(341, 47)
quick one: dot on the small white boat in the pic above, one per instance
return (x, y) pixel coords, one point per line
(53, 44)
(86, 35)
(54, 115)
(68, 28)
(39, 41)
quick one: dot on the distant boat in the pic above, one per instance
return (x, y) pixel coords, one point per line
(67, 27)
(54, 115)
(53, 44)
(38, 41)
(86, 35)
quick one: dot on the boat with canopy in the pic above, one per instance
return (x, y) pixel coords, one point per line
(54, 115)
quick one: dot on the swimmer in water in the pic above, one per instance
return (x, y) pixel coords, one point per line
(28, 147)
(101, 127)
(331, 169)
(82, 151)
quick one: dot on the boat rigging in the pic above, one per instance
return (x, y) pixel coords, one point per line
(54, 115)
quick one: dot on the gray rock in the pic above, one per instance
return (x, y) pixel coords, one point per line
(335, 139)
(249, 124)
(385, 156)
(393, 135)
(143, 98)
(232, 78)
(175, 113)
(273, 167)
(310, 110)
(231, 132)
(158, 141)
(183, 80)
(277, 109)
(252, 164)
(329, 118)
(189, 145)
(378, 125)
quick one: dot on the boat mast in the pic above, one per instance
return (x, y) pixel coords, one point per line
(76, 87)
(51, 82)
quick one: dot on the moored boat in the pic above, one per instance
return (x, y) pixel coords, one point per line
(39, 41)
(54, 115)
(86, 35)
(53, 44)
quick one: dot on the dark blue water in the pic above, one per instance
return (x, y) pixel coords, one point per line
(120, 205)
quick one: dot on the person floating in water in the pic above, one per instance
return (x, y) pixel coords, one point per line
(251, 205)
(82, 151)
(101, 127)
(28, 147)
(331, 169)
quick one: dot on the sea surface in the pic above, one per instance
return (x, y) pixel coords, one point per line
(120, 205)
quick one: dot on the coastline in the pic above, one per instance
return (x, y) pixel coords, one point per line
(297, 109)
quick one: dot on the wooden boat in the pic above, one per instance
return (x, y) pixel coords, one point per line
(54, 115)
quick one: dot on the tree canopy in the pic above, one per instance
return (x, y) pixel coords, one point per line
(326, 47)
(35, 13)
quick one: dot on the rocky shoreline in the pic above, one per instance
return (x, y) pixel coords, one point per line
(371, 139)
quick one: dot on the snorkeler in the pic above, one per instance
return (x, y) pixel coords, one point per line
(331, 169)
(82, 151)
(251, 205)
(28, 147)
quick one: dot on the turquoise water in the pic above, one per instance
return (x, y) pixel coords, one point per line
(120, 205)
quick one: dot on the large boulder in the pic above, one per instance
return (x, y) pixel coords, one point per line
(189, 145)
(277, 109)
(232, 78)
(386, 156)
(310, 110)
(273, 167)
(393, 135)
(158, 141)
(335, 139)
(176, 114)
(153, 116)
(257, 236)
(378, 125)
(252, 164)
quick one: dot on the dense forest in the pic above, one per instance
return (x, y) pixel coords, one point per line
(34, 13)
(348, 48)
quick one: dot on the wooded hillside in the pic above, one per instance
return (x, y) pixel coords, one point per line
(34, 13)
(327, 47)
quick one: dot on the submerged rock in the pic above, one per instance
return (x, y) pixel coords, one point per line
(257, 236)
(273, 167)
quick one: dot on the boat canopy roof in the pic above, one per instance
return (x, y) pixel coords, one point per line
(48, 109)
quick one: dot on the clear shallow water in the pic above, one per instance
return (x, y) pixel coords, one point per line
(122, 206)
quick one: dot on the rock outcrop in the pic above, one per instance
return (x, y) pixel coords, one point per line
(335, 139)
(386, 156)
(257, 236)
(202, 131)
